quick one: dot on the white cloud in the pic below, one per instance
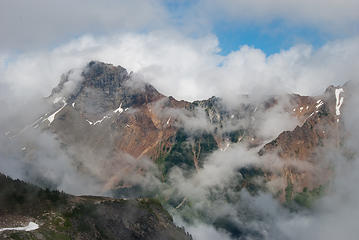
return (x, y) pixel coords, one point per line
(41, 23)
(335, 16)
(202, 231)
(191, 68)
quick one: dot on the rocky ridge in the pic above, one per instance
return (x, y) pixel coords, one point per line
(57, 215)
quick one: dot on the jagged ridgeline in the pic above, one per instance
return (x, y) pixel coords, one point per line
(104, 111)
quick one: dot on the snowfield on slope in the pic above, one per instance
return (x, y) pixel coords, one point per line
(339, 100)
(31, 227)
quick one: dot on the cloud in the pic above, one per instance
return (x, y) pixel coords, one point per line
(191, 68)
(271, 122)
(333, 16)
(181, 66)
(210, 193)
(40, 24)
(203, 231)
(37, 157)
(37, 24)
(335, 214)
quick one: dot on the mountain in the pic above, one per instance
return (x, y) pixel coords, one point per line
(61, 216)
(306, 143)
(115, 115)
(120, 131)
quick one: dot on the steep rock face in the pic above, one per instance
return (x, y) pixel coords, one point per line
(62, 216)
(101, 87)
(111, 116)
(301, 142)
(306, 144)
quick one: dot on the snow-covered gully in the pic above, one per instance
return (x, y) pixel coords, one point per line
(31, 227)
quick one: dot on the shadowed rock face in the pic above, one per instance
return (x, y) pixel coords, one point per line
(101, 87)
(62, 216)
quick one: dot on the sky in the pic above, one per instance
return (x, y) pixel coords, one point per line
(268, 25)
(187, 49)
(184, 48)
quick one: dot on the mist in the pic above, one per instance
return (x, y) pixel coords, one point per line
(192, 69)
(332, 216)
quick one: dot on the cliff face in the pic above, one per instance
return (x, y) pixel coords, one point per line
(108, 120)
(306, 144)
(58, 215)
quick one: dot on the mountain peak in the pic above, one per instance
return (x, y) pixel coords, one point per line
(105, 76)
(100, 86)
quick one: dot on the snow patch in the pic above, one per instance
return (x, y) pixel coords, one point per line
(119, 109)
(89, 122)
(168, 121)
(100, 121)
(320, 103)
(307, 107)
(301, 108)
(73, 105)
(51, 118)
(293, 109)
(23, 149)
(339, 100)
(31, 227)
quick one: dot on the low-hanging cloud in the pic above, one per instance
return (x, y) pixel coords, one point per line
(189, 69)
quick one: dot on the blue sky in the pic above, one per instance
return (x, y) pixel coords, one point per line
(268, 25)
(270, 36)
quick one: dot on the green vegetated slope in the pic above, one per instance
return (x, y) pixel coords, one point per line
(62, 216)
